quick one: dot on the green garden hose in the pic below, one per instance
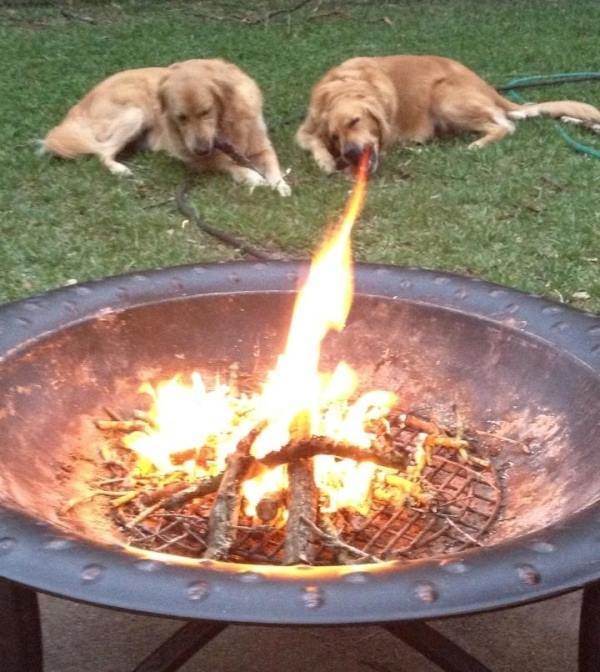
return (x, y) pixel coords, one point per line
(548, 80)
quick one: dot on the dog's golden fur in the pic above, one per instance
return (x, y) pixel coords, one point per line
(379, 101)
(182, 109)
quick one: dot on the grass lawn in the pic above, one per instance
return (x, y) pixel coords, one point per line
(524, 212)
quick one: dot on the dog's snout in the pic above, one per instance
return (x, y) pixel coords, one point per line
(352, 152)
(202, 147)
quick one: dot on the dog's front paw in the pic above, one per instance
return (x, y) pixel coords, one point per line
(283, 188)
(326, 163)
(121, 169)
(253, 179)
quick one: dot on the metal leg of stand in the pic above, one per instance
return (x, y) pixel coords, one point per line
(20, 630)
(181, 646)
(439, 649)
(589, 629)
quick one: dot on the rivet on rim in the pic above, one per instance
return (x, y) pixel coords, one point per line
(198, 590)
(454, 567)
(147, 565)
(58, 544)
(312, 597)
(7, 544)
(92, 573)
(426, 592)
(528, 575)
(542, 547)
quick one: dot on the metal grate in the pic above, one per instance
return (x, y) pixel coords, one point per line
(463, 502)
(466, 500)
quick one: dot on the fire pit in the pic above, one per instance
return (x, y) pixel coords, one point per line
(518, 367)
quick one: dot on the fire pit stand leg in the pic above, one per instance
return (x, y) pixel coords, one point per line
(435, 647)
(180, 647)
(20, 630)
(589, 629)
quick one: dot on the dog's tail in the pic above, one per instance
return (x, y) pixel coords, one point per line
(567, 110)
(69, 139)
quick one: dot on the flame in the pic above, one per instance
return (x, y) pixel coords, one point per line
(297, 399)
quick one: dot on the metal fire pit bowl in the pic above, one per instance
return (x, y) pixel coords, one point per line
(514, 364)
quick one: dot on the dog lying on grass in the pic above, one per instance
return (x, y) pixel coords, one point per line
(376, 102)
(187, 110)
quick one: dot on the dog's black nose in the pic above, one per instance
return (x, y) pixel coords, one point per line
(352, 152)
(202, 148)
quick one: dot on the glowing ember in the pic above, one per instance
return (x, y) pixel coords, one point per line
(297, 400)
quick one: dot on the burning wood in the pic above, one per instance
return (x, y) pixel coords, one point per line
(206, 517)
(225, 512)
(321, 445)
(299, 547)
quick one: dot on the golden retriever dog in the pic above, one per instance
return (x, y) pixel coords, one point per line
(376, 102)
(185, 110)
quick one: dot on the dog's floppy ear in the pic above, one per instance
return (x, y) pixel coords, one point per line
(162, 86)
(381, 117)
(162, 94)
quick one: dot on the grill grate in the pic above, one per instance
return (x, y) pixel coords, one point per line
(466, 500)
(463, 500)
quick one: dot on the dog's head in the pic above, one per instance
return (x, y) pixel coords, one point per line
(354, 125)
(192, 102)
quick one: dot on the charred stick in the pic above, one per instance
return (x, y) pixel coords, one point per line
(241, 160)
(335, 542)
(205, 486)
(299, 544)
(150, 497)
(210, 484)
(122, 425)
(320, 445)
(225, 511)
(189, 211)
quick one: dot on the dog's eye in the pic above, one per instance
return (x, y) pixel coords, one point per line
(202, 113)
(182, 118)
(335, 137)
(353, 122)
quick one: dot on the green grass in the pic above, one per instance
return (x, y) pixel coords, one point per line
(524, 212)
